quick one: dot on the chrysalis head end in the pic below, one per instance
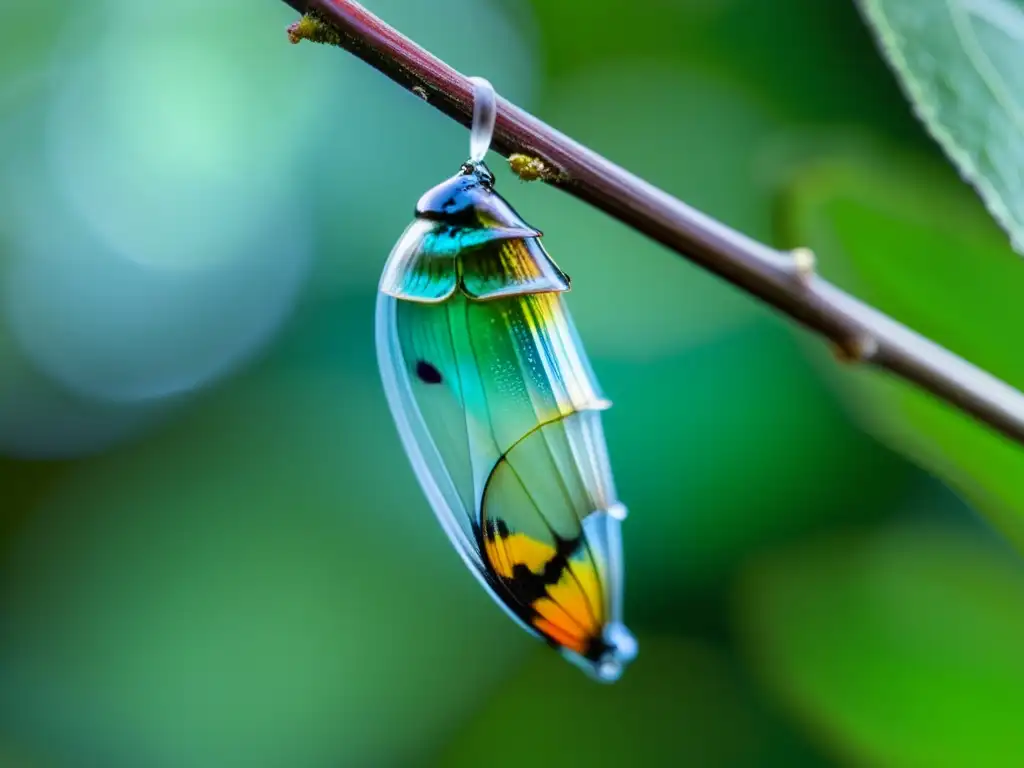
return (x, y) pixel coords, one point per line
(468, 201)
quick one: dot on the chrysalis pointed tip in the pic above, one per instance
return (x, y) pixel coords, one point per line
(618, 511)
(618, 649)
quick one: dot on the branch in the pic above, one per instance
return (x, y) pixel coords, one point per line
(786, 281)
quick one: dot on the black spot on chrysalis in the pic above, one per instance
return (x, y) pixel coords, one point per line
(427, 373)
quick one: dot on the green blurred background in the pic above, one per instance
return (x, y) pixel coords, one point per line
(213, 552)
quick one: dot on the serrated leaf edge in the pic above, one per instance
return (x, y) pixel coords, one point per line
(923, 109)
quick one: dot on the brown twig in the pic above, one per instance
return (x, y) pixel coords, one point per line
(860, 332)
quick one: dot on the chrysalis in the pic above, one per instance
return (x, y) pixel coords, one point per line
(500, 412)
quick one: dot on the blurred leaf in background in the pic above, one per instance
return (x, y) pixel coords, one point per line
(910, 240)
(897, 647)
(686, 704)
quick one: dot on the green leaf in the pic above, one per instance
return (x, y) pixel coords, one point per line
(960, 63)
(899, 647)
(680, 703)
(913, 243)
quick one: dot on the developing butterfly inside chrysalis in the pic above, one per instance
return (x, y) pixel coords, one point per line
(500, 412)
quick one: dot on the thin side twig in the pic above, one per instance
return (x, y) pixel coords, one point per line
(858, 331)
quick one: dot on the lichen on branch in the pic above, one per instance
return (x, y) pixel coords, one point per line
(314, 28)
(529, 168)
